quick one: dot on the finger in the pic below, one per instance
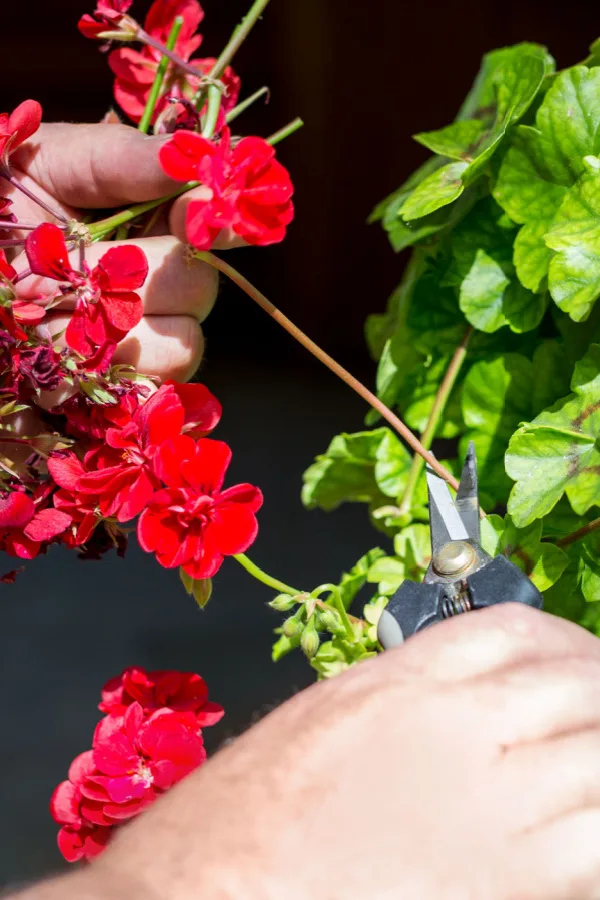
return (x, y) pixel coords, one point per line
(95, 166)
(484, 641)
(27, 210)
(177, 284)
(161, 346)
(551, 779)
(560, 861)
(178, 214)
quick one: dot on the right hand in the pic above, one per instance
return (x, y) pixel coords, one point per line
(465, 764)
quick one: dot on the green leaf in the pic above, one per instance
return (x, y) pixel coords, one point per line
(283, 646)
(544, 563)
(438, 189)
(393, 462)
(551, 375)
(388, 572)
(574, 273)
(589, 553)
(457, 141)
(482, 293)
(412, 547)
(557, 452)
(492, 528)
(569, 118)
(351, 582)
(347, 471)
(496, 397)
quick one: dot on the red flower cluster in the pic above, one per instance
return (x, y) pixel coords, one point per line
(149, 740)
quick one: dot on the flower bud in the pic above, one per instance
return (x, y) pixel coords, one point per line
(331, 620)
(292, 627)
(282, 603)
(310, 639)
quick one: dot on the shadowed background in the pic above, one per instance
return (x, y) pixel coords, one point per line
(364, 76)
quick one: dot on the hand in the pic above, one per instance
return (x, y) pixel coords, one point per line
(465, 764)
(85, 167)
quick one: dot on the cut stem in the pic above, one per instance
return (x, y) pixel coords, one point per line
(285, 132)
(579, 534)
(161, 71)
(328, 361)
(261, 576)
(437, 411)
(238, 37)
(99, 229)
(212, 111)
(243, 106)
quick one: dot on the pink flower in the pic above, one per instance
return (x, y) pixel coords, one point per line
(179, 691)
(17, 127)
(124, 480)
(192, 522)
(107, 307)
(249, 191)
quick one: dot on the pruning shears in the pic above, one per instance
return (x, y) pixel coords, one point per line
(461, 575)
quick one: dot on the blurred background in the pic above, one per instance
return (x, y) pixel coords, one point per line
(364, 76)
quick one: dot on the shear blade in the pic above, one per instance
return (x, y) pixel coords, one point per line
(467, 498)
(454, 520)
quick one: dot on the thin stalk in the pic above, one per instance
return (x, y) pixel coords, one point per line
(437, 411)
(238, 37)
(18, 226)
(21, 187)
(22, 275)
(161, 71)
(12, 242)
(243, 106)
(328, 361)
(339, 605)
(258, 573)
(285, 132)
(99, 229)
(212, 111)
(146, 38)
(579, 534)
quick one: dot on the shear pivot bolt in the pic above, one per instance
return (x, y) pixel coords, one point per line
(454, 558)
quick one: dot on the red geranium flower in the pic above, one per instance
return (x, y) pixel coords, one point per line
(124, 479)
(193, 523)
(78, 838)
(107, 307)
(248, 190)
(23, 528)
(106, 19)
(17, 127)
(135, 70)
(180, 691)
(66, 470)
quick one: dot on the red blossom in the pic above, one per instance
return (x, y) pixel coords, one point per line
(180, 691)
(135, 70)
(249, 191)
(106, 305)
(41, 365)
(66, 470)
(84, 417)
(23, 528)
(106, 19)
(17, 127)
(78, 838)
(193, 523)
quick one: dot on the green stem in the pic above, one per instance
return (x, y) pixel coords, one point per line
(243, 106)
(339, 605)
(99, 229)
(258, 573)
(397, 424)
(285, 132)
(161, 71)
(212, 111)
(579, 534)
(437, 411)
(238, 37)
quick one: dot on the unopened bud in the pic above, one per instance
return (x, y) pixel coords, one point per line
(331, 621)
(291, 627)
(283, 602)
(310, 640)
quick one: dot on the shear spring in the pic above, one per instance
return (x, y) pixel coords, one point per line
(453, 606)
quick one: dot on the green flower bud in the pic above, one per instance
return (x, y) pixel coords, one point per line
(331, 620)
(310, 639)
(283, 603)
(292, 626)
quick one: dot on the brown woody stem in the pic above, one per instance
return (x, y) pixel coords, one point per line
(276, 314)
(579, 534)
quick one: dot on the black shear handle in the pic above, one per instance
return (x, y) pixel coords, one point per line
(417, 606)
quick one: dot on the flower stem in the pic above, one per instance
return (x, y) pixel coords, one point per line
(212, 111)
(18, 226)
(339, 605)
(579, 534)
(146, 38)
(238, 37)
(258, 573)
(161, 71)
(243, 106)
(328, 361)
(98, 230)
(285, 132)
(437, 410)
(21, 187)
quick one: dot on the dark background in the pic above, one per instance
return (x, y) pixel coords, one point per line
(365, 75)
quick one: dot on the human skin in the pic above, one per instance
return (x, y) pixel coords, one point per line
(464, 765)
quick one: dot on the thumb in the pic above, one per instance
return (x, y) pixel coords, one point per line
(95, 166)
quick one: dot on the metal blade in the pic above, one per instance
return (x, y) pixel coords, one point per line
(467, 498)
(446, 523)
